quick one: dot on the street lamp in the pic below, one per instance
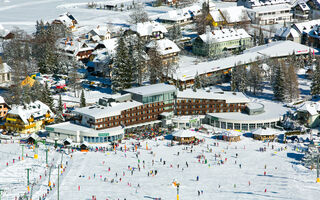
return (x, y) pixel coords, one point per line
(178, 185)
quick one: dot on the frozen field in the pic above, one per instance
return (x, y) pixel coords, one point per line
(24, 13)
(285, 177)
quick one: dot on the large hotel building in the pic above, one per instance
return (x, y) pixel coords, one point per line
(159, 104)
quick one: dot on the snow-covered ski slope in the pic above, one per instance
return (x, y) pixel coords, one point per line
(285, 177)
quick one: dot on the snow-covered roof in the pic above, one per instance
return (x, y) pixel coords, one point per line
(66, 19)
(285, 31)
(110, 45)
(3, 31)
(315, 32)
(147, 28)
(67, 140)
(183, 134)
(4, 68)
(273, 49)
(164, 46)
(306, 26)
(34, 136)
(271, 8)
(229, 97)
(181, 14)
(98, 111)
(74, 46)
(273, 112)
(233, 14)
(303, 6)
(73, 129)
(2, 101)
(36, 109)
(224, 35)
(266, 131)
(152, 89)
(231, 133)
(311, 107)
(100, 31)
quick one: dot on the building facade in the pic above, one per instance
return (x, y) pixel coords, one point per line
(202, 102)
(217, 42)
(28, 118)
(271, 14)
(112, 117)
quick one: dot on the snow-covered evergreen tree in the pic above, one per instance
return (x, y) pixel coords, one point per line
(155, 66)
(279, 83)
(82, 100)
(139, 59)
(255, 78)
(239, 79)
(60, 105)
(197, 83)
(123, 67)
(292, 85)
(46, 97)
(261, 37)
(175, 32)
(315, 85)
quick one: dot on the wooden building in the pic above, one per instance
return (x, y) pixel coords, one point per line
(229, 136)
(265, 134)
(29, 118)
(184, 136)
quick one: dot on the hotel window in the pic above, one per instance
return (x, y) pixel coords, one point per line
(223, 125)
(252, 126)
(230, 125)
(259, 125)
(244, 127)
(237, 126)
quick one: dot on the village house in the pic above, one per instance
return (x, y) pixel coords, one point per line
(4, 108)
(314, 36)
(308, 114)
(229, 16)
(5, 34)
(301, 10)
(304, 28)
(68, 20)
(287, 33)
(271, 14)
(167, 49)
(28, 118)
(314, 6)
(181, 16)
(98, 34)
(5, 72)
(260, 3)
(75, 48)
(217, 42)
(149, 30)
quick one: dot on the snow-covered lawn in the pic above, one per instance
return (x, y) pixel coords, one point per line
(285, 177)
